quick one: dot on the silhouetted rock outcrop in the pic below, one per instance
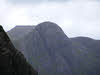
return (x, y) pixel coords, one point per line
(12, 61)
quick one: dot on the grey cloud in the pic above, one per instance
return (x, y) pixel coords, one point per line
(34, 1)
(41, 1)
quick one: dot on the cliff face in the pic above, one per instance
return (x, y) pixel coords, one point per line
(46, 48)
(51, 52)
(12, 61)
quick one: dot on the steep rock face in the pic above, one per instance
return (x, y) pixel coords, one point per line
(50, 47)
(12, 61)
(58, 46)
(51, 52)
(53, 35)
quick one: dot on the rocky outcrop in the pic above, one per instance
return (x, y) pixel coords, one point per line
(50, 47)
(12, 61)
(51, 52)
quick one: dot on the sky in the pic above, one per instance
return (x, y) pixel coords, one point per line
(75, 17)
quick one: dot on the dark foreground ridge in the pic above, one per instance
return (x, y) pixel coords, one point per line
(51, 52)
(12, 61)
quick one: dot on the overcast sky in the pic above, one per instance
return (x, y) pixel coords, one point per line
(75, 17)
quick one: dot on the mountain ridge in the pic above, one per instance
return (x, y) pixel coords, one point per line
(57, 54)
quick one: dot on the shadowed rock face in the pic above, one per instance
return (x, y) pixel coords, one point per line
(58, 47)
(53, 35)
(12, 61)
(48, 44)
(51, 52)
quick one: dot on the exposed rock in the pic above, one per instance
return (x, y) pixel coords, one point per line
(51, 52)
(51, 48)
(12, 61)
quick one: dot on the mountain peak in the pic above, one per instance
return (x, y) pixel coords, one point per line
(52, 34)
(48, 25)
(20, 31)
(1, 28)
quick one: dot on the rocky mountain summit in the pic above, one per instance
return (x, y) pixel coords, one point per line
(51, 52)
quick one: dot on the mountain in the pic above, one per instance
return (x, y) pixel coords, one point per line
(51, 52)
(12, 61)
(19, 31)
(89, 55)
